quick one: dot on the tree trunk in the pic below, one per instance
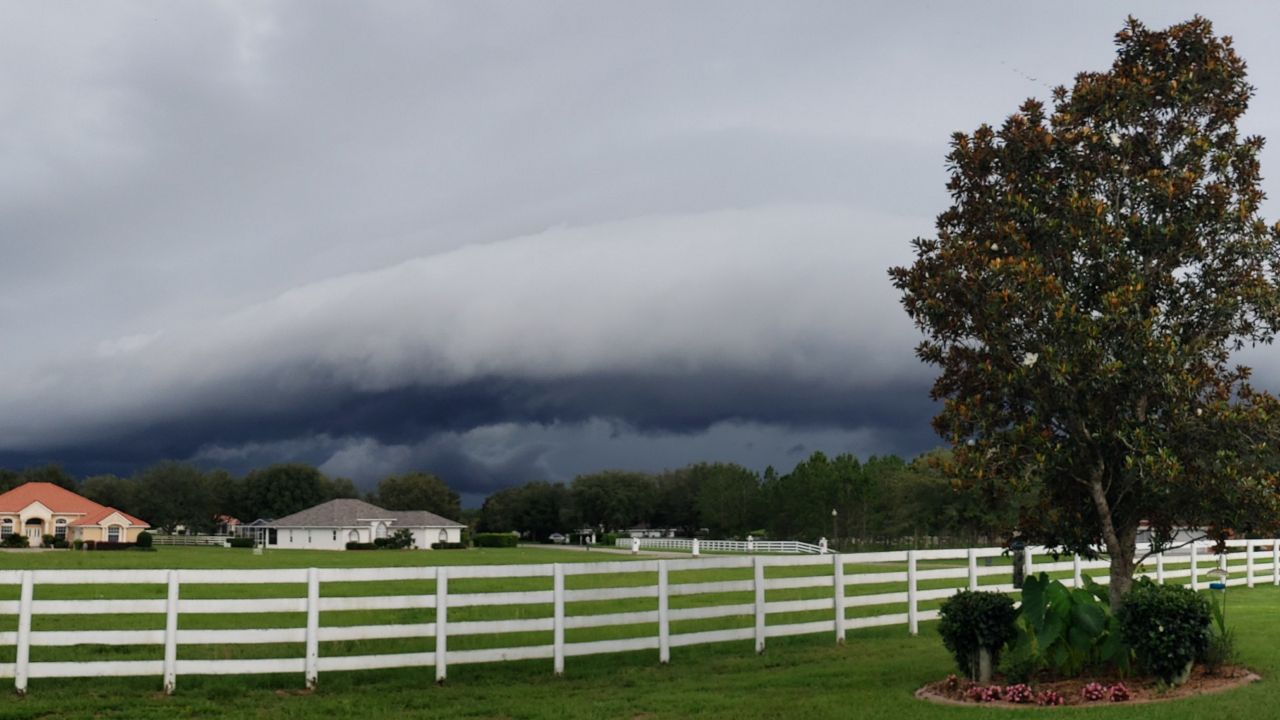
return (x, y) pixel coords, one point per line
(1119, 541)
(1121, 576)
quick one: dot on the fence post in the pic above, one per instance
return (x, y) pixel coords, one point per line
(635, 546)
(913, 621)
(973, 568)
(1160, 568)
(171, 635)
(837, 588)
(1275, 562)
(1075, 570)
(1248, 563)
(758, 564)
(23, 659)
(696, 547)
(1026, 562)
(1195, 574)
(557, 623)
(664, 619)
(313, 628)
(442, 621)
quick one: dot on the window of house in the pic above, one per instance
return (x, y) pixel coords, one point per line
(353, 536)
(6, 527)
(60, 529)
(444, 536)
(335, 535)
(113, 533)
(381, 530)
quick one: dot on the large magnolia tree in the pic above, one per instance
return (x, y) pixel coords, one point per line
(1101, 263)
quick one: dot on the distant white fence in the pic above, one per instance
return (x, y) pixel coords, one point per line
(190, 540)
(789, 547)
(853, 580)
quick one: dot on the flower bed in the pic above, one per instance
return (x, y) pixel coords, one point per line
(1082, 691)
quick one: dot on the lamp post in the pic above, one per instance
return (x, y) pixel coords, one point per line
(835, 527)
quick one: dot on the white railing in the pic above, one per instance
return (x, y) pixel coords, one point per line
(186, 540)
(851, 580)
(790, 547)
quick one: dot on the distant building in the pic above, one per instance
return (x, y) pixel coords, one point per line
(36, 509)
(331, 525)
(225, 525)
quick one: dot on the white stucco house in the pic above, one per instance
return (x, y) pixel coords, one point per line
(331, 525)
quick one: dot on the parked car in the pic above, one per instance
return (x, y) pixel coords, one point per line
(558, 539)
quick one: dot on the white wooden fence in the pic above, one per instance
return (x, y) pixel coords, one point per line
(789, 547)
(852, 580)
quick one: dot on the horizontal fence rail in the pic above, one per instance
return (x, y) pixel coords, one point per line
(786, 547)
(309, 621)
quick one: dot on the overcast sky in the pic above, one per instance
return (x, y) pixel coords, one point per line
(497, 241)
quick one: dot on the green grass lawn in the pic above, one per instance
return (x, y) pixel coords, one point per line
(873, 676)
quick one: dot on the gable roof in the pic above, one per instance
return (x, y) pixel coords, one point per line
(60, 500)
(349, 512)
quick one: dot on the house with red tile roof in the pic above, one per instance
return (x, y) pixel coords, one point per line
(36, 509)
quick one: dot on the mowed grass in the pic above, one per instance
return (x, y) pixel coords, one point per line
(873, 676)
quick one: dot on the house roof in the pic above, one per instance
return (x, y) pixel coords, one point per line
(60, 500)
(348, 512)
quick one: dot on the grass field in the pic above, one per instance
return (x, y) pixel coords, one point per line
(873, 676)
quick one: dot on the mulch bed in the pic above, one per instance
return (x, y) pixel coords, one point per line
(959, 691)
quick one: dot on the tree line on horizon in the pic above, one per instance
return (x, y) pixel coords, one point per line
(878, 502)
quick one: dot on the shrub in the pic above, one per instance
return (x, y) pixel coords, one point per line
(449, 546)
(61, 544)
(970, 621)
(401, 539)
(144, 539)
(48, 540)
(381, 542)
(609, 539)
(240, 542)
(1050, 697)
(77, 543)
(107, 545)
(977, 693)
(1168, 627)
(498, 540)
(1019, 693)
(15, 541)
(1221, 649)
(361, 546)
(1093, 692)
(1065, 630)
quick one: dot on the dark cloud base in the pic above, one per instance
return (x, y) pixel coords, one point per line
(650, 404)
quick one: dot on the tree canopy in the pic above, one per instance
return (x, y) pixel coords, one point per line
(1100, 263)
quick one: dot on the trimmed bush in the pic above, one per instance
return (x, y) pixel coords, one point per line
(401, 539)
(240, 542)
(61, 544)
(361, 546)
(381, 542)
(497, 540)
(970, 621)
(144, 539)
(48, 540)
(77, 543)
(105, 545)
(449, 546)
(1167, 626)
(15, 541)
